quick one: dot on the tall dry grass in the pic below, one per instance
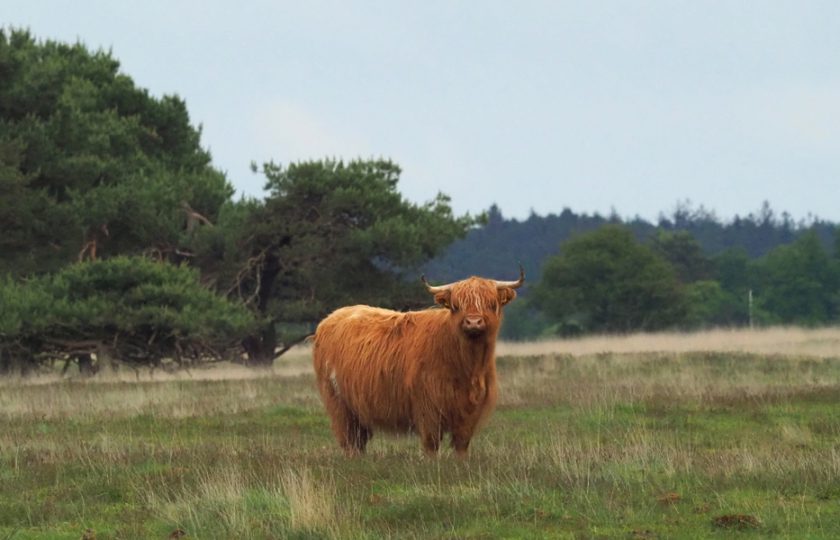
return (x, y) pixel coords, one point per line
(228, 502)
(605, 368)
(786, 341)
(817, 342)
(91, 399)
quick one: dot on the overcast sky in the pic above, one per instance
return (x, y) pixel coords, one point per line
(629, 105)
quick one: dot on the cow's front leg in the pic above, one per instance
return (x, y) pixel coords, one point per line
(431, 443)
(461, 438)
(431, 432)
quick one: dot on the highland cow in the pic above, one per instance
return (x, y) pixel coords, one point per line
(430, 372)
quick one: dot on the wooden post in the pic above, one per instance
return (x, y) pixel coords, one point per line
(751, 309)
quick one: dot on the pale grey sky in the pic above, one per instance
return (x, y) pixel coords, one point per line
(631, 105)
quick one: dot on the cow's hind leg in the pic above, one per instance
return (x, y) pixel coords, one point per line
(351, 435)
(357, 437)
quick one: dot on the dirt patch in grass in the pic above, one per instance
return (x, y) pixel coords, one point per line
(737, 521)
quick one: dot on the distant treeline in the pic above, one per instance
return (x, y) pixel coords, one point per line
(590, 273)
(495, 248)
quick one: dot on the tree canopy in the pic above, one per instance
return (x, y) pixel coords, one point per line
(799, 284)
(331, 233)
(607, 281)
(91, 165)
(94, 169)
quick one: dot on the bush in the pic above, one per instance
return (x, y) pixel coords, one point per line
(130, 309)
(606, 281)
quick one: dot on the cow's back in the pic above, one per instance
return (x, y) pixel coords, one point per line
(361, 354)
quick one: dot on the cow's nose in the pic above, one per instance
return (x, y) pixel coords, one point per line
(474, 325)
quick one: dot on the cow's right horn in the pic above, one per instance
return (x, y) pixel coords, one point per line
(512, 284)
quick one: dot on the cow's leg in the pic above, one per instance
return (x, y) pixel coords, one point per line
(462, 434)
(431, 443)
(358, 436)
(430, 434)
(429, 425)
(340, 420)
(351, 435)
(349, 432)
(461, 443)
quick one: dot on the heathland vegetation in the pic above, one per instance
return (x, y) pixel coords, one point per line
(650, 436)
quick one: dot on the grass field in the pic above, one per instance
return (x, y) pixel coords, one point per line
(709, 435)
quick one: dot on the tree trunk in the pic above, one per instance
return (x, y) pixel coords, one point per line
(105, 361)
(260, 347)
(86, 367)
(7, 363)
(14, 364)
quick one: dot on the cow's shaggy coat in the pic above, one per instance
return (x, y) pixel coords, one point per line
(431, 371)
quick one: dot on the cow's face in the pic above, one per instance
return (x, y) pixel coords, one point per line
(475, 305)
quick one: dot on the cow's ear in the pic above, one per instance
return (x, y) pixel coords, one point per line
(444, 298)
(506, 294)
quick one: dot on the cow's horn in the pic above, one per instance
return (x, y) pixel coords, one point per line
(513, 284)
(434, 290)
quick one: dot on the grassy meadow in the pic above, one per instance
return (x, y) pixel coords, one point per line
(709, 435)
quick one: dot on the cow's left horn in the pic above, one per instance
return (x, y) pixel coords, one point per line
(435, 289)
(513, 284)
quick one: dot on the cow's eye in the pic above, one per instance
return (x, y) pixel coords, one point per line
(494, 306)
(454, 308)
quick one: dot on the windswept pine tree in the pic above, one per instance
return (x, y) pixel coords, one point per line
(91, 165)
(328, 234)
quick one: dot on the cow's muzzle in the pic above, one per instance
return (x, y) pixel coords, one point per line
(474, 326)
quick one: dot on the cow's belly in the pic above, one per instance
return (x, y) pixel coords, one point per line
(382, 416)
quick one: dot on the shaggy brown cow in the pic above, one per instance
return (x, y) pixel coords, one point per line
(430, 371)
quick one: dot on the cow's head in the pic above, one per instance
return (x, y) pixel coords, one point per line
(475, 304)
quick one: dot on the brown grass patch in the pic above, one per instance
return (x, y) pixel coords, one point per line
(819, 342)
